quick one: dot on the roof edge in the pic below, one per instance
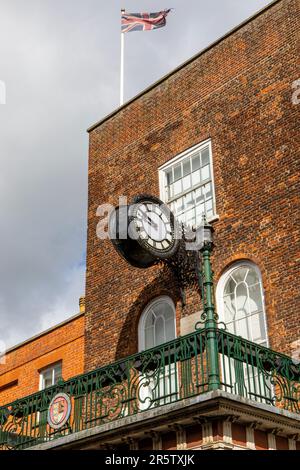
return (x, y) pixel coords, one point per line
(43, 333)
(188, 61)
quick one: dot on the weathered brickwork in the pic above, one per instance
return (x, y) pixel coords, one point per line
(237, 93)
(20, 374)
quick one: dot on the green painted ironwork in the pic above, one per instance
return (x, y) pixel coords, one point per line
(167, 373)
(210, 319)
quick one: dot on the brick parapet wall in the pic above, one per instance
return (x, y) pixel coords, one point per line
(19, 375)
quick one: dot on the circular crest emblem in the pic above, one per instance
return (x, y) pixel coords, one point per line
(59, 411)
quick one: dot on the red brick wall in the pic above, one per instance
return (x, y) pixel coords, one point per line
(238, 93)
(64, 343)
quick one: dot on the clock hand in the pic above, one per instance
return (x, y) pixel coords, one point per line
(153, 224)
(150, 221)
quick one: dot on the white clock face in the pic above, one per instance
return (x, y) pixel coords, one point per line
(154, 226)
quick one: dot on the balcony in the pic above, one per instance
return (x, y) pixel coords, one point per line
(172, 372)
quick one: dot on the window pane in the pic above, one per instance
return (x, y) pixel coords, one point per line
(150, 320)
(47, 374)
(51, 375)
(209, 206)
(170, 328)
(239, 274)
(178, 205)
(186, 183)
(190, 217)
(47, 378)
(255, 301)
(177, 187)
(190, 174)
(229, 308)
(230, 286)
(188, 200)
(205, 157)
(258, 328)
(243, 304)
(196, 177)
(252, 277)
(207, 190)
(47, 382)
(177, 172)
(241, 301)
(169, 176)
(159, 331)
(242, 328)
(199, 212)
(209, 213)
(57, 373)
(186, 167)
(159, 324)
(205, 173)
(167, 311)
(196, 162)
(171, 191)
(149, 337)
(198, 196)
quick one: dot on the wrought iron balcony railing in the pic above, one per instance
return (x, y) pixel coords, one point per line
(170, 372)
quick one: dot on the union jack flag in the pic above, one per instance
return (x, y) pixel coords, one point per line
(143, 21)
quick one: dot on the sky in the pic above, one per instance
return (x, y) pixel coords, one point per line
(60, 69)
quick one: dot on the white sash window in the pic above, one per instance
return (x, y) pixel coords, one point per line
(187, 185)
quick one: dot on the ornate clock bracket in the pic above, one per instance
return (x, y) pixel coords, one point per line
(185, 266)
(144, 220)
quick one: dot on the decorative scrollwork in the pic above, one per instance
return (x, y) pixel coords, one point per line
(172, 371)
(184, 265)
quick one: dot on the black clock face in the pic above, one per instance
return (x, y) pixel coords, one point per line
(154, 226)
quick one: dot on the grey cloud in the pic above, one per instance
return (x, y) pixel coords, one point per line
(60, 63)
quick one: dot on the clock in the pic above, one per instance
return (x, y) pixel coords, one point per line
(153, 225)
(151, 232)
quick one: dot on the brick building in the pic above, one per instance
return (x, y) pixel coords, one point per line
(40, 361)
(218, 135)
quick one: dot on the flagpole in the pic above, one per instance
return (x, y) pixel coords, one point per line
(122, 66)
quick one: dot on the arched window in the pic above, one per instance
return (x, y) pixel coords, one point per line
(157, 326)
(157, 323)
(240, 302)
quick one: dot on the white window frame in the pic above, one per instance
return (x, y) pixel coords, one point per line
(162, 172)
(141, 327)
(221, 286)
(45, 369)
(245, 386)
